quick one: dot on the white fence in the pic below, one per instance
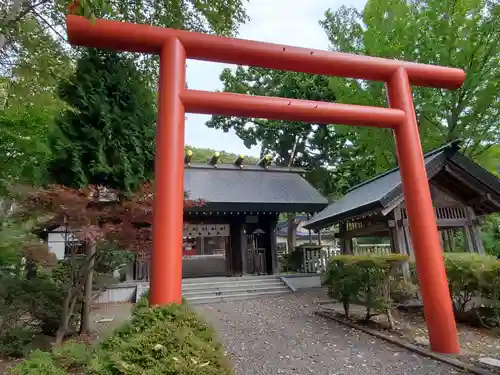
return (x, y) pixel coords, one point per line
(315, 260)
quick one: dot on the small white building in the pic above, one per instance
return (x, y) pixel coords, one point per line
(60, 240)
(303, 236)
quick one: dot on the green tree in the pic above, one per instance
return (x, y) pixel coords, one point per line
(310, 146)
(316, 147)
(34, 56)
(490, 233)
(218, 17)
(106, 136)
(490, 159)
(213, 17)
(28, 103)
(458, 33)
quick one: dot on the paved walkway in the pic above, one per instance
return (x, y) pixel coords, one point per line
(280, 335)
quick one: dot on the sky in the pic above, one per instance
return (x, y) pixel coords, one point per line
(289, 22)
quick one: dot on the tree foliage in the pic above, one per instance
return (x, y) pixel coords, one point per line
(215, 17)
(316, 147)
(457, 33)
(35, 56)
(28, 105)
(364, 280)
(105, 222)
(490, 234)
(106, 136)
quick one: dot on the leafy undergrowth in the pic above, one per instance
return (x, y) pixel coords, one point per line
(169, 340)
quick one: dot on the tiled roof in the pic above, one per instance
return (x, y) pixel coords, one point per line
(377, 193)
(252, 188)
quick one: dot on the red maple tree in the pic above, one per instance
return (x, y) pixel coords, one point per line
(96, 216)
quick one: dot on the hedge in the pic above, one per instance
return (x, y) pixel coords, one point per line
(373, 281)
(165, 340)
(474, 282)
(364, 280)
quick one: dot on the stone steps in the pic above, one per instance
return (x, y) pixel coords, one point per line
(219, 289)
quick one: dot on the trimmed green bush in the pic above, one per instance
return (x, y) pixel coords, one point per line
(27, 307)
(364, 280)
(343, 280)
(143, 302)
(474, 282)
(466, 277)
(13, 317)
(165, 340)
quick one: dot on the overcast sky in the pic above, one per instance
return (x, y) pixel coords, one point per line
(291, 22)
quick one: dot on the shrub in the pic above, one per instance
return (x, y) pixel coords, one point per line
(44, 299)
(489, 311)
(38, 363)
(293, 261)
(13, 314)
(343, 280)
(72, 355)
(474, 282)
(143, 302)
(403, 290)
(165, 340)
(15, 340)
(465, 274)
(364, 280)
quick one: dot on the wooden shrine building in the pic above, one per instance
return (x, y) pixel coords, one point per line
(234, 232)
(462, 194)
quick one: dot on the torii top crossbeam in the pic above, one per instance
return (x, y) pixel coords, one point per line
(175, 46)
(130, 37)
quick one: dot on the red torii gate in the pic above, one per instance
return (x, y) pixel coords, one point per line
(174, 46)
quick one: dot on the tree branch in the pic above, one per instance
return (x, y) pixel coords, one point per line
(11, 15)
(26, 10)
(50, 26)
(19, 9)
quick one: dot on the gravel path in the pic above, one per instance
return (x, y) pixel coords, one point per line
(280, 335)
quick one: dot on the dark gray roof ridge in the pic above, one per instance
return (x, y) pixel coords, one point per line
(454, 144)
(245, 167)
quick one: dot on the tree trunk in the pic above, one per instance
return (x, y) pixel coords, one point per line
(87, 298)
(347, 309)
(291, 232)
(71, 293)
(292, 227)
(390, 319)
(67, 312)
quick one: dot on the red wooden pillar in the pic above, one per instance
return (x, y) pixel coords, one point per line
(428, 254)
(166, 257)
